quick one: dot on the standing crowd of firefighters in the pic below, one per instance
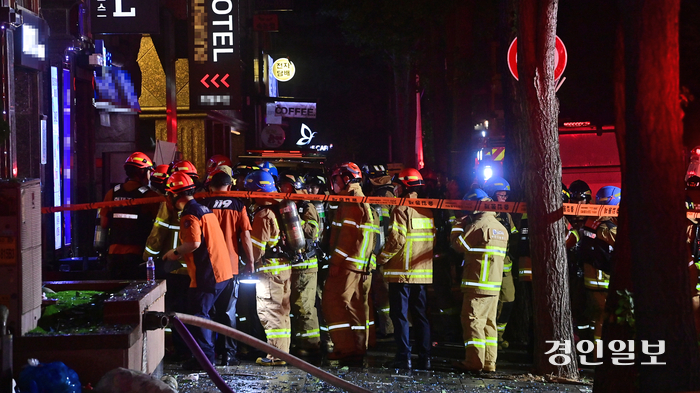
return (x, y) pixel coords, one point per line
(325, 273)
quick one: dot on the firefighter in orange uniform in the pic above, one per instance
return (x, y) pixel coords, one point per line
(273, 268)
(483, 240)
(129, 226)
(233, 218)
(205, 252)
(407, 258)
(346, 291)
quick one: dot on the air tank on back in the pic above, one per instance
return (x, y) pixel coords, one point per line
(383, 221)
(291, 227)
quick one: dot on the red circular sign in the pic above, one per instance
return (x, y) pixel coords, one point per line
(560, 58)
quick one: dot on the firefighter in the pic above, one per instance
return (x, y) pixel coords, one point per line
(163, 237)
(239, 174)
(346, 291)
(407, 258)
(316, 184)
(216, 161)
(306, 336)
(273, 268)
(596, 245)
(483, 240)
(233, 219)
(204, 249)
(129, 226)
(380, 185)
(270, 168)
(158, 178)
(498, 188)
(580, 193)
(693, 231)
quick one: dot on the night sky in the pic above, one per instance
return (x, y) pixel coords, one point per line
(354, 87)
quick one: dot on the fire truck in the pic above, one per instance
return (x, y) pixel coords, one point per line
(588, 153)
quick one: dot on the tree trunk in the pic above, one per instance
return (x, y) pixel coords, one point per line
(542, 172)
(610, 378)
(654, 195)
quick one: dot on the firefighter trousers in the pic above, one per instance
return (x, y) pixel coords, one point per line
(413, 298)
(505, 303)
(345, 309)
(225, 314)
(272, 293)
(380, 298)
(479, 331)
(200, 302)
(305, 329)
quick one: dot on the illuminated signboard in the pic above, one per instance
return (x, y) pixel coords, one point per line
(306, 135)
(30, 40)
(125, 16)
(283, 70)
(67, 145)
(56, 153)
(215, 55)
(303, 110)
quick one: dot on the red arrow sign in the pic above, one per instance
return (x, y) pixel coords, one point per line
(213, 80)
(223, 80)
(204, 81)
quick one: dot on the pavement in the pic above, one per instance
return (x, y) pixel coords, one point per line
(371, 374)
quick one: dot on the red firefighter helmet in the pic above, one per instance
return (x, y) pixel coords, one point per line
(160, 174)
(179, 182)
(139, 160)
(409, 177)
(186, 167)
(216, 160)
(349, 169)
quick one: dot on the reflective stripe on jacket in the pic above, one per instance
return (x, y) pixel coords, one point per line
(265, 236)
(483, 243)
(352, 234)
(407, 255)
(311, 224)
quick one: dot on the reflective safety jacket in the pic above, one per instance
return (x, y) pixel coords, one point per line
(129, 225)
(352, 234)
(267, 251)
(483, 242)
(311, 224)
(407, 255)
(605, 229)
(507, 221)
(164, 234)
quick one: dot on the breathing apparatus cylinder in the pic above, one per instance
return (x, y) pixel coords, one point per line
(380, 238)
(100, 239)
(291, 226)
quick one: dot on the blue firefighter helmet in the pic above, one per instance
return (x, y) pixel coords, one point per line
(476, 194)
(269, 168)
(260, 181)
(608, 195)
(494, 184)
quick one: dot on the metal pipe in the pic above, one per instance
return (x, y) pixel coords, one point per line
(263, 346)
(153, 320)
(200, 356)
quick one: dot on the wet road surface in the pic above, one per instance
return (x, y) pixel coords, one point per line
(372, 375)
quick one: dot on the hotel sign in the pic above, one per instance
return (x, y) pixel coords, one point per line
(215, 55)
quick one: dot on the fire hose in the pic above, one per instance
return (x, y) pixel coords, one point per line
(178, 319)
